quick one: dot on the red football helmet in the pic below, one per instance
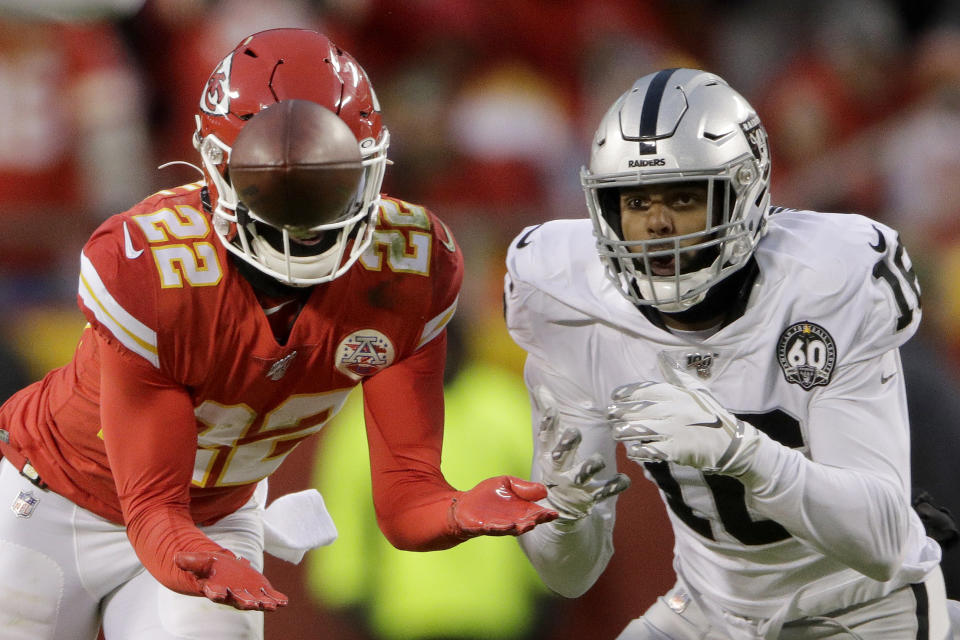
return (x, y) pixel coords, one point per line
(266, 68)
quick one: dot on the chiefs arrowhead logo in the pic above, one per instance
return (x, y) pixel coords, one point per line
(216, 97)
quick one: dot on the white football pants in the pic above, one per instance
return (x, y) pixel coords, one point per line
(64, 572)
(914, 611)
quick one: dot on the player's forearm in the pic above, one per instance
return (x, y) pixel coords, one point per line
(497, 506)
(855, 517)
(414, 514)
(157, 534)
(570, 557)
(152, 462)
(403, 410)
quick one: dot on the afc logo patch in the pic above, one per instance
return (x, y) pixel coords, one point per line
(363, 353)
(807, 354)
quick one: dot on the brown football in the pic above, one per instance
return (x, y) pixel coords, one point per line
(296, 164)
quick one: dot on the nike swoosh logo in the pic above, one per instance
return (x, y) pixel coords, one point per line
(522, 242)
(881, 245)
(716, 424)
(128, 249)
(885, 379)
(273, 310)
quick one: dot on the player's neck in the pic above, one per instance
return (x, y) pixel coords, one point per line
(280, 303)
(265, 286)
(671, 322)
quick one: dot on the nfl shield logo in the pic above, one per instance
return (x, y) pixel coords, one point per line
(25, 504)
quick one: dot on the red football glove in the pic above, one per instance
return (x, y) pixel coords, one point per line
(229, 579)
(501, 506)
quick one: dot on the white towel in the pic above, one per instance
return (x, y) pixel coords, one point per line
(295, 523)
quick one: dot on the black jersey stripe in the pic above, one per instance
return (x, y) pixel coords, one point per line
(923, 623)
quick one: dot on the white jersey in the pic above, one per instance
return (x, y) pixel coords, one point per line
(812, 362)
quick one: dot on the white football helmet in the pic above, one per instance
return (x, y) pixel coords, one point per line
(264, 69)
(679, 125)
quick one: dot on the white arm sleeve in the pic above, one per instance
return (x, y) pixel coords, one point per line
(850, 500)
(570, 557)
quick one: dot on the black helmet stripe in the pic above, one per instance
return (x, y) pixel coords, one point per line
(651, 111)
(651, 104)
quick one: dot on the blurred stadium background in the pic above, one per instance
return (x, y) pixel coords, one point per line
(491, 105)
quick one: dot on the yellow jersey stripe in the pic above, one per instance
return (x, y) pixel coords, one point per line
(433, 328)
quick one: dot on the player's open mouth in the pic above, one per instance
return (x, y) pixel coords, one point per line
(306, 239)
(663, 266)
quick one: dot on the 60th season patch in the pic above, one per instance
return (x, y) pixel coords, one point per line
(807, 354)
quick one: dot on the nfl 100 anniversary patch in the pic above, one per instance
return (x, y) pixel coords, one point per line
(807, 354)
(279, 368)
(700, 361)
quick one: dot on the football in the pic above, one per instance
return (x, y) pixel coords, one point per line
(296, 164)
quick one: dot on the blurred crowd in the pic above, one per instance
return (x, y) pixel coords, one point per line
(491, 105)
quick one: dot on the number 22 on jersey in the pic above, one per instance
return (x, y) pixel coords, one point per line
(196, 262)
(405, 240)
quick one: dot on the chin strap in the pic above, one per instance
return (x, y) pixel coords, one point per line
(243, 214)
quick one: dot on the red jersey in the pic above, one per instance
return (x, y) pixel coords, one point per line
(179, 398)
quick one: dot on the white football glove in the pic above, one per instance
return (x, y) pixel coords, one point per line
(572, 486)
(680, 421)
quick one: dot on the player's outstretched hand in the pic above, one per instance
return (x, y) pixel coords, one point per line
(230, 579)
(573, 485)
(680, 421)
(501, 506)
